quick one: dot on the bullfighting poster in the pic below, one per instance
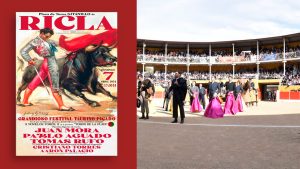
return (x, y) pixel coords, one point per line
(66, 83)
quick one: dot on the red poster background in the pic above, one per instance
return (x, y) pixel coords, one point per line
(126, 84)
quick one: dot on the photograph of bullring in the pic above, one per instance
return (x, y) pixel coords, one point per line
(218, 84)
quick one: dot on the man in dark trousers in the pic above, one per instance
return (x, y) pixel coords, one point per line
(202, 93)
(179, 88)
(213, 88)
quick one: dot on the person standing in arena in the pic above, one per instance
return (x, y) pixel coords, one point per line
(230, 101)
(179, 88)
(214, 108)
(253, 92)
(147, 90)
(196, 106)
(167, 96)
(202, 93)
(238, 96)
(138, 93)
(247, 95)
(191, 93)
(140, 80)
(222, 91)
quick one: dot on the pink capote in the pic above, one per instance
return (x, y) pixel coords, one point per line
(196, 106)
(230, 104)
(214, 109)
(239, 103)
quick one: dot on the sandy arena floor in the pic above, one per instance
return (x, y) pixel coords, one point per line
(266, 136)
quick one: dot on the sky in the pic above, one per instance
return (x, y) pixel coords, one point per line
(219, 20)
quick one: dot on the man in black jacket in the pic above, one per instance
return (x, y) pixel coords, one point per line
(179, 88)
(213, 88)
(140, 80)
(202, 93)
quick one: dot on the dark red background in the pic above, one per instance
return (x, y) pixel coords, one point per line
(126, 84)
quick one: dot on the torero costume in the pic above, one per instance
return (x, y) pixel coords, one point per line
(45, 48)
(49, 67)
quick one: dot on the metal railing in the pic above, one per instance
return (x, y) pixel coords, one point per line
(204, 59)
(292, 55)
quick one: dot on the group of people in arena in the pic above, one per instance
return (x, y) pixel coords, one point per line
(233, 93)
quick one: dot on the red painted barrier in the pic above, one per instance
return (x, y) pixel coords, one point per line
(259, 95)
(294, 95)
(285, 95)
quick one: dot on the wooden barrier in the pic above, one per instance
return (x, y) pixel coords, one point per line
(294, 95)
(290, 95)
